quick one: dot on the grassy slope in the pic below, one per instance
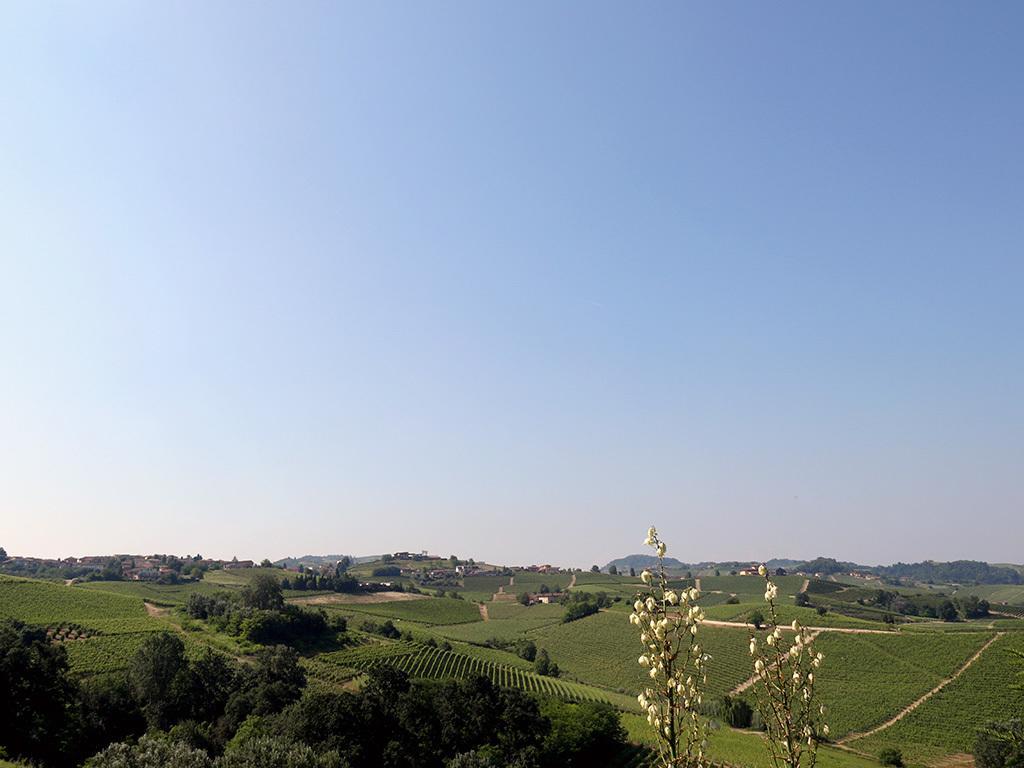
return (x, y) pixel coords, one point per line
(745, 748)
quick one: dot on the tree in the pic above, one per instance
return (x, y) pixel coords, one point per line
(581, 734)
(802, 599)
(1000, 745)
(527, 649)
(38, 694)
(3, 554)
(264, 593)
(594, 569)
(265, 563)
(737, 712)
(159, 678)
(948, 612)
(543, 665)
(107, 713)
(524, 598)
(756, 618)
(613, 570)
(891, 756)
(632, 572)
(973, 608)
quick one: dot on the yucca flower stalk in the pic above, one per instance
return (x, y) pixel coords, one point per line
(784, 692)
(669, 622)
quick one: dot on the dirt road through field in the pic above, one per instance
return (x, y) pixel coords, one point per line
(911, 707)
(753, 678)
(484, 616)
(846, 630)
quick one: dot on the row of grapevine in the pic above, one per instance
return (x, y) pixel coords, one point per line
(429, 663)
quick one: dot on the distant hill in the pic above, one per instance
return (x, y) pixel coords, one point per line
(310, 560)
(639, 562)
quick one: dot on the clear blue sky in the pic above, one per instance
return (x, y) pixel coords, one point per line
(512, 282)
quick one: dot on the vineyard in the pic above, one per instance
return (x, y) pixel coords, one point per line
(867, 678)
(948, 721)
(41, 602)
(602, 650)
(426, 663)
(158, 594)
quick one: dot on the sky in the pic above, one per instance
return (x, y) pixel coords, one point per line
(512, 281)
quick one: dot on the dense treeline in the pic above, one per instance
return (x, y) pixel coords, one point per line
(930, 606)
(581, 604)
(168, 711)
(954, 572)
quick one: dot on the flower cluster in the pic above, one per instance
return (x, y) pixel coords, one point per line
(785, 688)
(669, 621)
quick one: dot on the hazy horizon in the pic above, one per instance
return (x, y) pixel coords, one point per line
(512, 282)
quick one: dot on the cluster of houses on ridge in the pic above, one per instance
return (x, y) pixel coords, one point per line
(129, 567)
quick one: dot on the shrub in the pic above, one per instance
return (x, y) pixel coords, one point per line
(737, 712)
(150, 752)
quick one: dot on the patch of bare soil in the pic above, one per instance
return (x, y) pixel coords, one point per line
(959, 760)
(340, 598)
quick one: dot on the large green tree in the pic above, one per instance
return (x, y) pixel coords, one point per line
(37, 696)
(160, 679)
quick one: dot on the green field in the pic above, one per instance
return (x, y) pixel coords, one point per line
(746, 748)
(750, 585)
(1010, 594)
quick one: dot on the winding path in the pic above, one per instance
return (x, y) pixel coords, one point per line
(753, 678)
(914, 705)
